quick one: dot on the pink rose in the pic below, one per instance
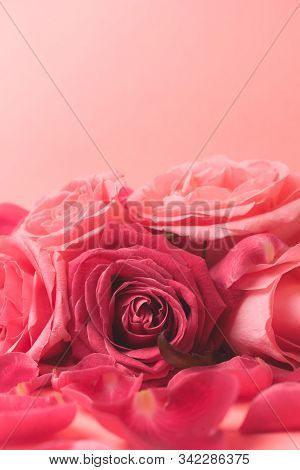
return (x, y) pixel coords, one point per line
(33, 300)
(216, 202)
(10, 216)
(137, 285)
(75, 215)
(265, 321)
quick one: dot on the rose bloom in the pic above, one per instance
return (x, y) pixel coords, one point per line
(74, 216)
(11, 216)
(265, 321)
(216, 202)
(136, 286)
(33, 301)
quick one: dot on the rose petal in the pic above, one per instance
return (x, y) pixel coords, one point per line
(24, 418)
(96, 382)
(185, 415)
(15, 368)
(245, 257)
(275, 409)
(10, 216)
(284, 375)
(252, 374)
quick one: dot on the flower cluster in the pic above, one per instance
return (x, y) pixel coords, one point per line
(153, 309)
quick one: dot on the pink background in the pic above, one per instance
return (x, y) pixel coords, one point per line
(149, 79)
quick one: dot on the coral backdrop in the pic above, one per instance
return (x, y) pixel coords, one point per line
(147, 83)
(149, 80)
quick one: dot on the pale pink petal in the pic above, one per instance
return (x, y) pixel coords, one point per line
(250, 333)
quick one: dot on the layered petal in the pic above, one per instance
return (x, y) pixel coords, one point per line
(16, 368)
(133, 288)
(96, 381)
(71, 219)
(213, 204)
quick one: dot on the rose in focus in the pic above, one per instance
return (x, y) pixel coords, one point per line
(136, 286)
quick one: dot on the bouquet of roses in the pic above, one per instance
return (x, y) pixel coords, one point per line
(153, 310)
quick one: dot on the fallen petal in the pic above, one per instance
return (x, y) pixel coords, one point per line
(275, 409)
(26, 418)
(95, 381)
(185, 415)
(253, 374)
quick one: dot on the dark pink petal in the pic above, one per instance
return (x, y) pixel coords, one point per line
(10, 216)
(275, 409)
(185, 415)
(26, 418)
(284, 375)
(16, 368)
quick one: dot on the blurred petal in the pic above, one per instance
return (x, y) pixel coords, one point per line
(284, 375)
(186, 414)
(252, 374)
(275, 409)
(96, 382)
(26, 418)
(68, 444)
(10, 216)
